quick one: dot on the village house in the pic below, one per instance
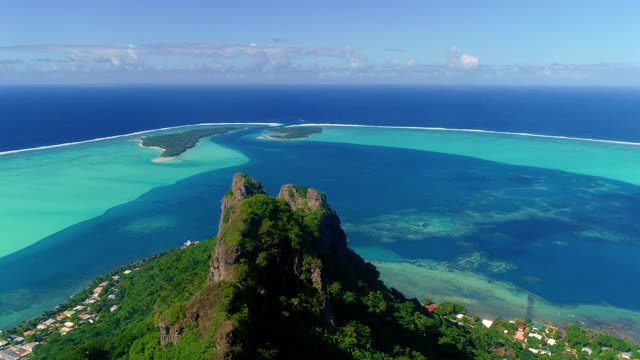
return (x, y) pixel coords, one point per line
(487, 323)
(519, 336)
(22, 352)
(16, 339)
(625, 355)
(537, 336)
(64, 330)
(127, 272)
(30, 346)
(3, 343)
(587, 350)
(9, 355)
(113, 308)
(551, 342)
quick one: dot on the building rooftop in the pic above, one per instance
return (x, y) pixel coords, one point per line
(16, 338)
(537, 336)
(30, 346)
(519, 336)
(487, 323)
(9, 355)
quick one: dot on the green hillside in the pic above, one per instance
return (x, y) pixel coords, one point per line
(278, 283)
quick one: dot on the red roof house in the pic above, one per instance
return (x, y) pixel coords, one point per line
(431, 308)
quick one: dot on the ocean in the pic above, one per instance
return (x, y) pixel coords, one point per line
(488, 219)
(36, 116)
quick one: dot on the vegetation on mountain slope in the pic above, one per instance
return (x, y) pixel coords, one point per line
(278, 283)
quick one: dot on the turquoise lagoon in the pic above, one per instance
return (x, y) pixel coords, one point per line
(48, 190)
(508, 225)
(609, 159)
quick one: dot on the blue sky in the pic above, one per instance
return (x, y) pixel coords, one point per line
(564, 42)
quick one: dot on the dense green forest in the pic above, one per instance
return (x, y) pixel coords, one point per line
(279, 282)
(175, 144)
(295, 132)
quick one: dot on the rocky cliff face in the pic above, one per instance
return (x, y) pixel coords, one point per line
(290, 265)
(224, 255)
(330, 239)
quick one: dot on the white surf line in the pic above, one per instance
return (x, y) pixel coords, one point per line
(45, 147)
(474, 131)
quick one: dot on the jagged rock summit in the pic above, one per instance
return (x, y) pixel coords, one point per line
(306, 201)
(287, 247)
(302, 198)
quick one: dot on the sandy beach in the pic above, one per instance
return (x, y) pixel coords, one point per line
(159, 159)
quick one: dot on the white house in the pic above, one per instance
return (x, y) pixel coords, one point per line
(487, 323)
(537, 336)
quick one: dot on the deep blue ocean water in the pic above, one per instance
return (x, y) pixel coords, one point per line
(36, 116)
(363, 182)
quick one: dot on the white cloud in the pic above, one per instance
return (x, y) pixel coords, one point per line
(132, 52)
(468, 61)
(203, 62)
(463, 61)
